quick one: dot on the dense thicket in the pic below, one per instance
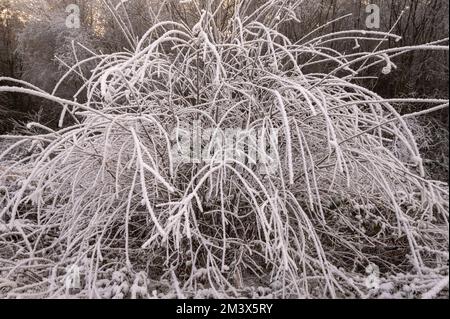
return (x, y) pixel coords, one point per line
(346, 194)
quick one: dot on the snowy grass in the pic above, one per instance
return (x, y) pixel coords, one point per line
(105, 194)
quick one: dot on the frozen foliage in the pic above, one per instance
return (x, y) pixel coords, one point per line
(106, 195)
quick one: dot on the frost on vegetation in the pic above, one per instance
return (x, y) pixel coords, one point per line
(108, 196)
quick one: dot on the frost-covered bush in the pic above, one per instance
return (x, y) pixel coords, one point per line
(107, 194)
